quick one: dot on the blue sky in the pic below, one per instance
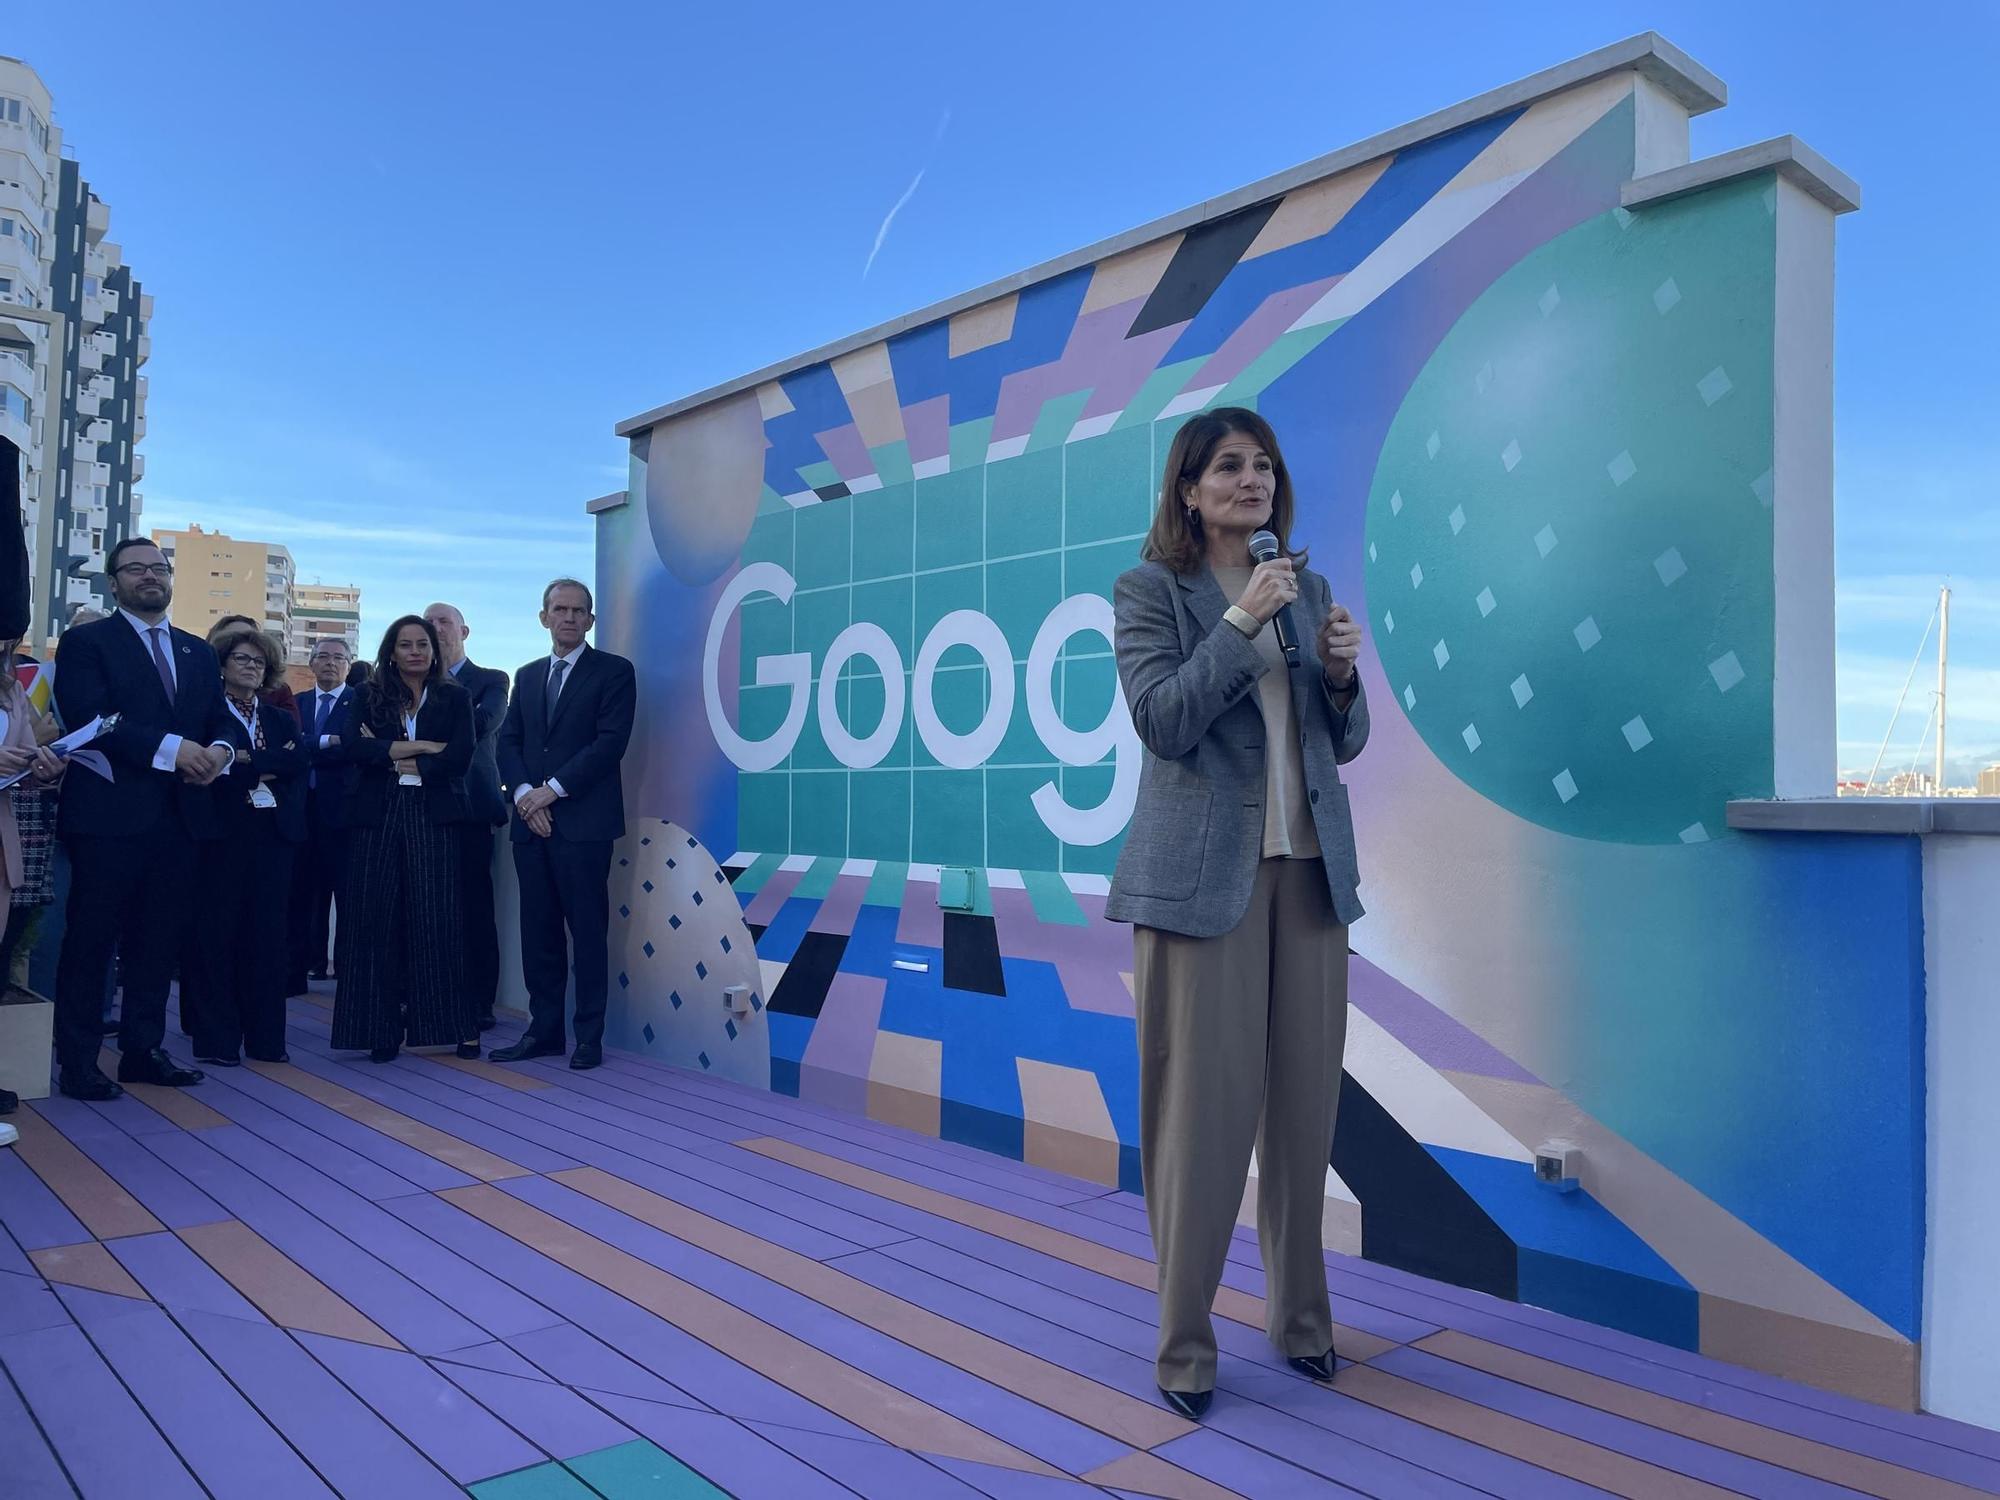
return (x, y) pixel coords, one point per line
(413, 261)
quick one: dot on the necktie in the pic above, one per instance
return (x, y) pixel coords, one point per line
(555, 683)
(161, 659)
(319, 719)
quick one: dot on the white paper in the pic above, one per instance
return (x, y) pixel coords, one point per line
(71, 747)
(260, 796)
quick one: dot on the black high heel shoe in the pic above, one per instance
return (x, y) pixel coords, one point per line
(1191, 1404)
(1319, 1366)
(384, 1054)
(469, 1051)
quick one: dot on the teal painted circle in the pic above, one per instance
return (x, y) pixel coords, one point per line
(1569, 530)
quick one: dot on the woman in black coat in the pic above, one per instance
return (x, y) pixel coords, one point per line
(399, 937)
(261, 818)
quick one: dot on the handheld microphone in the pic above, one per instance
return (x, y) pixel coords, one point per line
(1264, 547)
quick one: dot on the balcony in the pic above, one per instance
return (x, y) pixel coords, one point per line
(106, 344)
(103, 387)
(145, 351)
(89, 358)
(110, 300)
(97, 221)
(94, 310)
(138, 466)
(98, 431)
(139, 425)
(78, 590)
(16, 431)
(21, 374)
(96, 262)
(87, 405)
(83, 475)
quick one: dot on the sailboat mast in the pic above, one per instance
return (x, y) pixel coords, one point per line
(1944, 656)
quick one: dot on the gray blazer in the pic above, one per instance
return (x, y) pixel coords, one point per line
(1197, 833)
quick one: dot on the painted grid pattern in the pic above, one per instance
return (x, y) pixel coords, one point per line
(335, 1278)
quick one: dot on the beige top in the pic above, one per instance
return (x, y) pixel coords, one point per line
(1288, 824)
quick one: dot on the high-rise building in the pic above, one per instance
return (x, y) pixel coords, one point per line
(73, 340)
(1989, 781)
(217, 575)
(320, 610)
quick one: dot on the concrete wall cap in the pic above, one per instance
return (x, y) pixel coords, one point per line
(1787, 155)
(1898, 815)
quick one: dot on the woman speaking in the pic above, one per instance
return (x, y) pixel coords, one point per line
(1239, 876)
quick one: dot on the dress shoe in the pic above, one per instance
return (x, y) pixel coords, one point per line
(487, 1023)
(8, 1135)
(522, 1050)
(587, 1055)
(316, 974)
(218, 1061)
(1191, 1404)
(1319, 1366)
(155, 1067)
(111, 1027)
(383, 1054)
(86, 1083)
(468, 1051)
(280, 1056)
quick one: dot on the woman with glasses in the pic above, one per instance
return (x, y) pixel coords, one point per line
(247, 868)
(398, 943)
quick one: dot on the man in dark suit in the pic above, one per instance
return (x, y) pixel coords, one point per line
(131, 837)
(488, 689)
(322, 859)
(559, 749)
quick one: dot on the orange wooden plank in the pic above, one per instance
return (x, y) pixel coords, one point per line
(472, 1160)
(1546, 1448)
(86, 1189)
(1834, 1465)
(87, 1265)
(179, 1105)
(1148, 1474)
(871, 1404)
(284, 1291)
(505, 1077)
(1141, 1424)
(1238, 1306)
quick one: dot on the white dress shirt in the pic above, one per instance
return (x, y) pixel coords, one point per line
(168, 754)
(568, 672)
(312, 707)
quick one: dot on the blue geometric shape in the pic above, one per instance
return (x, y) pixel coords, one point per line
(674, 922)
(646, 1031)
(646, 948)
(1576, 1256)
(704, 1059)
(645, 841)
(624, 911)
(725, 944)
(697, 897)
(624, 983)
(646, 886)
(730, 1027)
(701, 971)
(871, 948)
(675, 997)
(781, 939)
(789, 1035)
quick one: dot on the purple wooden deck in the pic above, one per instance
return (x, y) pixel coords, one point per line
(418, 1279)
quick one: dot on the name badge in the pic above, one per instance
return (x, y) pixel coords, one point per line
(409, 778)
(261, 797)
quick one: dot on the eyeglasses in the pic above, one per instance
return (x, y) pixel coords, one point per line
(141, 570)
(245, 659)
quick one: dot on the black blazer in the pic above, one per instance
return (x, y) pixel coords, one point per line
(445, 717)
(327, 804)
(488, 688)
(580, 748)
(285, 755)
(103, 668)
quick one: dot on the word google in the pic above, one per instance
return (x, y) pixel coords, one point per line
(964, 627)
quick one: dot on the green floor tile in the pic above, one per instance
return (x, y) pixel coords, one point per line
(751, 881)
(817, 881)
(639, 1471)
(543, 1482)
(885, 886)
(1053, 900)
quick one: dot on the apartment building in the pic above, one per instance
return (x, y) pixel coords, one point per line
(320, 610)
(216, 575)
(73, 343)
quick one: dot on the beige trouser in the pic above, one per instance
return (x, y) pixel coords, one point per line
(1240, 1040)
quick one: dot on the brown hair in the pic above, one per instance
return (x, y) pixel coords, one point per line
(274, 659)
(1175, 538)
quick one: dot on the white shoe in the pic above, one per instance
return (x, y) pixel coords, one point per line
(8, 1135)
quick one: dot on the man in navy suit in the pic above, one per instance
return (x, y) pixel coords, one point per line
(131, 837)
(559, 749)
(488, 689)
(322, 859)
